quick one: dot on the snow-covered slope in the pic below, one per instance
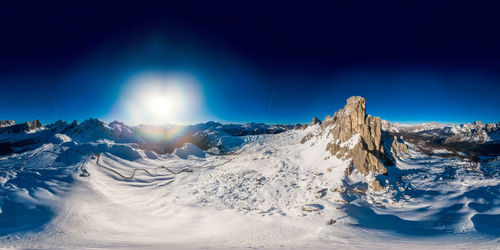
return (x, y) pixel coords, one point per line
(93, 185)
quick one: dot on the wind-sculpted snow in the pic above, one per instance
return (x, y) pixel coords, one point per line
(103, 189)
(433, 196)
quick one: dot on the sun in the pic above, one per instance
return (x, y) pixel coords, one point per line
(162, 105)
(160, 98)
(159, 105)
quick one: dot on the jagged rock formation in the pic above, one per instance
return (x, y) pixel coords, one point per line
(19, 128)
(398, 147)
(300, 126)
(6, 123)
(34, 124)
(316, 121)
(359, 137)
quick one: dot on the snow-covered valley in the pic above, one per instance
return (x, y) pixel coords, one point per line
(92, 189)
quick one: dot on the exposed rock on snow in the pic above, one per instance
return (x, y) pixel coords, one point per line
(358, 137)
(312, 208)
(6, 123)
(34, 124)
(375, 185)
(300, 126)
(398, 147)
(9, 127)
(316, 121)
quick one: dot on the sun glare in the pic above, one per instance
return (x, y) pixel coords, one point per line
(159, 105)
(160, 99)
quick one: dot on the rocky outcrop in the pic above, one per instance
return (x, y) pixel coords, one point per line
(316, 121)
(358, 137)
(300, 126)
(375, 186)
(34, 124)
(20, 128)
(398, 147)
(6, 123)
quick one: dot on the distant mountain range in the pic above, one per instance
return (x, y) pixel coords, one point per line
(476, 132)
(216, 136)
(161, 139)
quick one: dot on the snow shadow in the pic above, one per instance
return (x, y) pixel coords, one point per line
(29, 198)
(446, 206)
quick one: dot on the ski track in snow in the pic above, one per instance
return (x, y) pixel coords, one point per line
(257, 196)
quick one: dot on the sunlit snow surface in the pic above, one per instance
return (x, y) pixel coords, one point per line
(253, 197)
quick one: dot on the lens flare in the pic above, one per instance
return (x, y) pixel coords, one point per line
(162, 133)
(160, 98)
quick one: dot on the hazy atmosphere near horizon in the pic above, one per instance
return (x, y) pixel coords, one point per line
(249, 62)
(250, 124)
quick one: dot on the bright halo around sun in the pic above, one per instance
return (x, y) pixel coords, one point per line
(161, 98)
(159, 105)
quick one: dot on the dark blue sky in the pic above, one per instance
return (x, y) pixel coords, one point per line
(266, 61)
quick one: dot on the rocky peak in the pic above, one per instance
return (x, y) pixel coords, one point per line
(20, 128)
(358, 137)
(300, 126)
(7, 123)
(34, 124)
(316, 121)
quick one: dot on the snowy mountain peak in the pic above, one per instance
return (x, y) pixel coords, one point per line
(10, 127)
(7, 123)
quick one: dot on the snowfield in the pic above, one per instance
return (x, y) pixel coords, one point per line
(270, 192)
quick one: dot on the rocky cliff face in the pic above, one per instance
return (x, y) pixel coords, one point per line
(33, 124)
(359, 137)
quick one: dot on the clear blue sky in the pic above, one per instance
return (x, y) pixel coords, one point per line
(260, 62)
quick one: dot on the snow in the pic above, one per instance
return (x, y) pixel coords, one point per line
(189, 149)
(266, 191)
(353, 141)
(63, 138)
(442, 151)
